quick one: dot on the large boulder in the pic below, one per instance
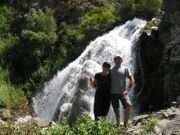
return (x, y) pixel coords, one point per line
(160, 55)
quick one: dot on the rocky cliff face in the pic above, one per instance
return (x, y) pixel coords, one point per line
(160, 55)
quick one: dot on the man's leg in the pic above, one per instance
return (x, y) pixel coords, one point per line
(115, 105)
(127, 105)
(127, 115)
(117, 113)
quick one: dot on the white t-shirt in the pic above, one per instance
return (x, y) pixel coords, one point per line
(118, 79)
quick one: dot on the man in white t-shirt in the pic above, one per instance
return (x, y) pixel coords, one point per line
(119, 91)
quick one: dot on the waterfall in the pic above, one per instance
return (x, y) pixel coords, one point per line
(69, 93)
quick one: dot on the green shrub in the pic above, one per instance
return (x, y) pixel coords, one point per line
(150, 124)
(6, 16)
(46, 70)
(99, 18)
(86, 126)
(7, 39)
(72, 34)
(41, 26)
(148, 26)
(4, 74)
(59, 128)
(149, 7)
(126, 9)
(9, 94)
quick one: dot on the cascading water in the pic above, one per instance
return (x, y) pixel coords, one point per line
(69, 93)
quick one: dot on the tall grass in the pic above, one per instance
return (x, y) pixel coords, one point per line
(9, 94)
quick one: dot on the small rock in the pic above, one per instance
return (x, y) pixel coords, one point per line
(5, 114)
(41, 122)
(169, 113)
(161, 126)
(173, 103)
(173, 109)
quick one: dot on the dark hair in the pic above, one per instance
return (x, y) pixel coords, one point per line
(106, 64)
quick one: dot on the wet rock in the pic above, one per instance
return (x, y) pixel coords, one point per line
(169, 113)
(138, 119)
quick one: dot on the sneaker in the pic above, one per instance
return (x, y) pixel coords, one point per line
(124, 127)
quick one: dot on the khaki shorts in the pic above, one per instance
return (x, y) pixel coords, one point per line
(125, 100)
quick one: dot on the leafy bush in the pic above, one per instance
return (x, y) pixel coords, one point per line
(126, 9)
(148, 26)
(150, 124)
(10, 95)
(59, 128)
(7, 40)
(83, 126)
(86, 126)
(72, 34)
(41, 26)
(149, 7)
(6, 16)
(99, 18)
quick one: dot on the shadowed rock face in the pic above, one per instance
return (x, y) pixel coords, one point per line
(160, 55)
(80, 104)
(151, 56)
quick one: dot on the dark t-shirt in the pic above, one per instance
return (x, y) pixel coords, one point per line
(103, 83)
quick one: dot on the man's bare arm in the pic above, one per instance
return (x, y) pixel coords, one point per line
(131, 83)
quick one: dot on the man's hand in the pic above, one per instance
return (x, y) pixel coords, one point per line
(126, 92)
